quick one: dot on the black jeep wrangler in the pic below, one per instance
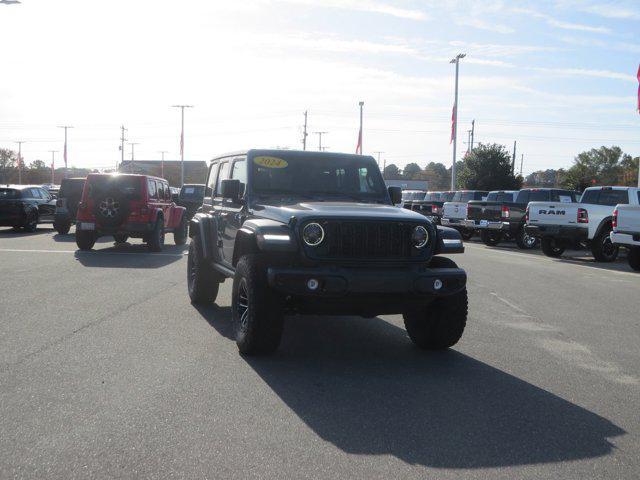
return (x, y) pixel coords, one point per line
(314, 232)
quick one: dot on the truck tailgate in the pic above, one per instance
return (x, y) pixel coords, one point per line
(478, 210)
(549, 213)
(455, 210)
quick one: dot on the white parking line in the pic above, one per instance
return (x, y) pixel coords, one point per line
(567, 261)
(94, 252)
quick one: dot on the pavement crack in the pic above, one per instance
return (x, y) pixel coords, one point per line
(84, 327)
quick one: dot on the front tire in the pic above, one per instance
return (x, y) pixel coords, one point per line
(490, 238)
(31, 222)
(551, 248)
(256, 309)
(602, 248)
(155, 241)
(634, 258)
(439, 325)
(85, 239)
(203, 282)
(120, 237)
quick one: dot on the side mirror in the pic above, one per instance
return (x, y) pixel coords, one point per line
(230, 189)
(396, 195)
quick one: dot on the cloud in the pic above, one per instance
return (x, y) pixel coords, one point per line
(364, 6)
(612, 11)
(499, 50)
(554, 22)
(483, 25)
(583, 72)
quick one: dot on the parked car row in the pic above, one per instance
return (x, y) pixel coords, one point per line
(555, 219)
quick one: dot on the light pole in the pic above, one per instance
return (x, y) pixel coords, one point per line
(162, 152)
(360, 139)
(53, 166)
(320, 139)
(66, 127)
(182, 107)
(133, 154)
(455, 60)
(20, 142)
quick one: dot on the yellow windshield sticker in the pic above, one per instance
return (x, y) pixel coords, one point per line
(270, 162)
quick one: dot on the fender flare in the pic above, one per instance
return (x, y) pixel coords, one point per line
(603, 224)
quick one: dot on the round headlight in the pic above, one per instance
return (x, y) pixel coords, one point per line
(420, 236)
(313, 234)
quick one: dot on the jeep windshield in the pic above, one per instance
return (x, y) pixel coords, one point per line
(127, 186)
(317, 176)
(192, 192)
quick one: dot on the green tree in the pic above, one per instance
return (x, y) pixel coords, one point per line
(629, 166)
(391, 172)
(8, 160)
(488, 167)
(410, 170)
(438, 176)
(598, 166)
(37, 165)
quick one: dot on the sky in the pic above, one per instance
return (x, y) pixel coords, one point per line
(557, 76)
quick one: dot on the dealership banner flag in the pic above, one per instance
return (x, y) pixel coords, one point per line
(453, 122)
(638, 88)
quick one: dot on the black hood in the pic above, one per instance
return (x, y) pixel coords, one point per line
(357, 211)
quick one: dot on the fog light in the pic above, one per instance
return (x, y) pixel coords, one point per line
(313, 284)
(437, 284)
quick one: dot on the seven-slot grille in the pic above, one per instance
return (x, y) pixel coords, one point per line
(360, 239)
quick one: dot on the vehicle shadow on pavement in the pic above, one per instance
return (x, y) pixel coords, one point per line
(361, 385)
(126, 255)
(9, 233)
(219, 318)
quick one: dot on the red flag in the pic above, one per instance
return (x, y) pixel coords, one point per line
(359, 146)
(638, 88)
(453, 123)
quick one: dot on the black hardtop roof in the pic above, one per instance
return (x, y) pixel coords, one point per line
(308, 153)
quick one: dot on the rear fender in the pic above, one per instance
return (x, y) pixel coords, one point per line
(604, 224)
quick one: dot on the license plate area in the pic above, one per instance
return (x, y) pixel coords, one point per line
(484, 223)
(87, 226)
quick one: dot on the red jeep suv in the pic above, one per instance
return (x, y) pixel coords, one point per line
(124, 206)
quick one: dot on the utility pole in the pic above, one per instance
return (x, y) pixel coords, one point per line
(473, 131)
(20, 161)
(513, 160)
(455, 60)
(361, 104)
(378, 153)
(320, 139)
(66, 127)
(521, 163)
(122, 140)
(468, 141)
(53, 167)
(133, 145)
(384, 167)
(305, 134)
(162, 152)
(182, 107)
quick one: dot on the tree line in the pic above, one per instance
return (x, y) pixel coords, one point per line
(489, 167)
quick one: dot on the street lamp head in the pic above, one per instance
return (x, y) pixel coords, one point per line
(361, 104)
(458, 57)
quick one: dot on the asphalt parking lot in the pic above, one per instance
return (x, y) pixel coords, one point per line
(106, 370)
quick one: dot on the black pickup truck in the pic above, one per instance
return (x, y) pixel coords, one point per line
(318, 232)
(431, 205)
(500, 220)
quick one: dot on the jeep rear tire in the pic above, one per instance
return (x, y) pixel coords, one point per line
(85, 239)
(155, 241)
(634, 258)
(440, 324)
(181, 231)
(120, 237)
(203, 282)
(490, 238)
(602, 248)
(256, 309)
(551, 248)
(62, 228)
(524, 240)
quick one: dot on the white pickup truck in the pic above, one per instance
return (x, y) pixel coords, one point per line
(563, 224)
(626, 231)
(454, 213)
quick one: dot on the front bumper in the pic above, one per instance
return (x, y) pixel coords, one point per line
(344, 282)
(454, 222)
(558, 232)
(487, 225)
(628, 239)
